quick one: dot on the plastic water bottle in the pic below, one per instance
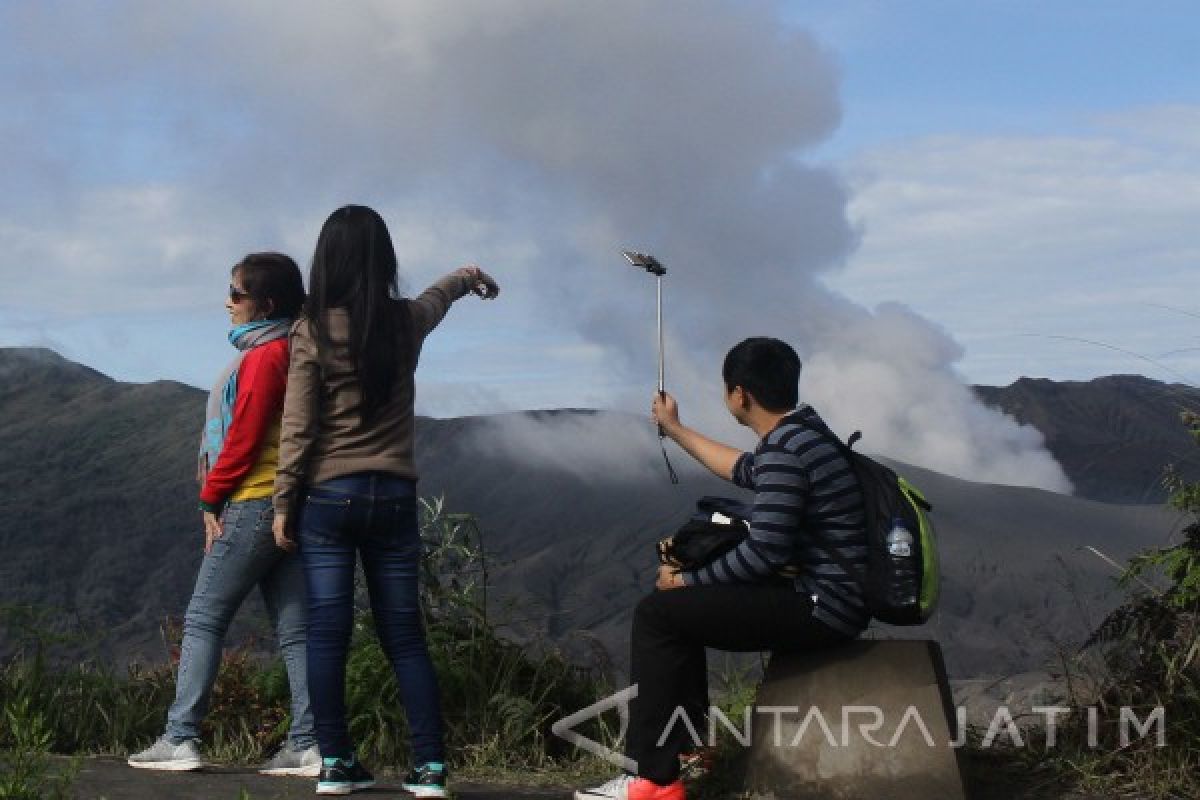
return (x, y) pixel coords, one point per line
(899, 540)
(904, 571)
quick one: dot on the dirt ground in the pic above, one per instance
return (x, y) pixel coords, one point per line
(104, 778)
(109, 778)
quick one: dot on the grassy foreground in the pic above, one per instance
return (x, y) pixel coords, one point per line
(499, 697)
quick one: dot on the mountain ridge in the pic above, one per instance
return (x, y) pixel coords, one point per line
(1113, 435)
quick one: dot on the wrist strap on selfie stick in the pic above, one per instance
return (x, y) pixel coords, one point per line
(662, 443)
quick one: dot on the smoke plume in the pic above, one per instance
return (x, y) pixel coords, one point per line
(544, 135)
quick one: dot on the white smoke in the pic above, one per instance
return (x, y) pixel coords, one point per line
(890, 374)
(566, 131)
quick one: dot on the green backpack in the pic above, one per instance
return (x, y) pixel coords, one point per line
(902, 579)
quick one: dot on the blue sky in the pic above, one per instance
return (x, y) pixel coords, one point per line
(1111, 88)
(1017, 176)
(994, 68)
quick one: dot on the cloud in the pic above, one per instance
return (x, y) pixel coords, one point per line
(618, 446)
(1084, 237)
(307, 105)
(536, 137)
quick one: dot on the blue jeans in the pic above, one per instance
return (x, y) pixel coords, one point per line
(374, 514)
(244, 556)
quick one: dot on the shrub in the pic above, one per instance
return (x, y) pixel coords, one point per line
(1150, 652)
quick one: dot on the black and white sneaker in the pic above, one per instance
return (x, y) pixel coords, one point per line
(343, 776)
(697, 763)
(427, 780)
(615, 789)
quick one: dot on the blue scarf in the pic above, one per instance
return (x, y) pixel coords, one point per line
(219, 415)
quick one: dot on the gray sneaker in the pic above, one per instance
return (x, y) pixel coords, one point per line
(167, 756)
(305, 763)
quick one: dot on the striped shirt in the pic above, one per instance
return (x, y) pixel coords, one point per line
(806, 501)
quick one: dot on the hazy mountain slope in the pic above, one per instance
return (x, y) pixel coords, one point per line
(97, 494)
(1016, 578)
(97, 516)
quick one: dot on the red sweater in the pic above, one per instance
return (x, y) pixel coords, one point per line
(262, 379)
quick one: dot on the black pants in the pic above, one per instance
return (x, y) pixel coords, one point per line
(670, 631)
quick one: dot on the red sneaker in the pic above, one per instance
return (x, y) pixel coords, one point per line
(642, 789)
(627, 787)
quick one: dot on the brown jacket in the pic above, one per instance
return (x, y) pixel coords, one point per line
(322, 434)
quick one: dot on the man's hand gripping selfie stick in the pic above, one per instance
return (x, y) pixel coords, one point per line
(651, 265)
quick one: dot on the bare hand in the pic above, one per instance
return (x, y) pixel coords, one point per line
(665, 412)
(668, 578)
(212, 530)
(279, 527)
(483, 285)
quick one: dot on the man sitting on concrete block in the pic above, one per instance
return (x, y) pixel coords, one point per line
(807, 501)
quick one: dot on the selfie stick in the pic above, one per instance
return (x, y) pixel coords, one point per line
(652, 265)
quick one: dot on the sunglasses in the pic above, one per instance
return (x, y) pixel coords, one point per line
(236, 295)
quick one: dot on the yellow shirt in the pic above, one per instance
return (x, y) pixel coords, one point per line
(260, 481)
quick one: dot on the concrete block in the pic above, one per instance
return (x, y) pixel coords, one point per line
(868, 719)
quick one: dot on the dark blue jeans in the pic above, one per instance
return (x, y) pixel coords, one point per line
(375, 515)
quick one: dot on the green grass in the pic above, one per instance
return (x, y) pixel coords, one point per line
(26, 771)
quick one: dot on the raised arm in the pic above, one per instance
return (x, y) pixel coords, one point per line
(719, 458)
(431, 305)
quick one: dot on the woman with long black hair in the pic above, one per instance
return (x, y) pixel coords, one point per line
(347, 480)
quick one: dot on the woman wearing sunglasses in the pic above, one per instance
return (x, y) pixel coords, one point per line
(239, 453)
(348, 479)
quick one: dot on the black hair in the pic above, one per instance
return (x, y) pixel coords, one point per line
(273, 281)
(768, 369)
(354, 267)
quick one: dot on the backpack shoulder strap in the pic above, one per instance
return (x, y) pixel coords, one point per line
(820, 427)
